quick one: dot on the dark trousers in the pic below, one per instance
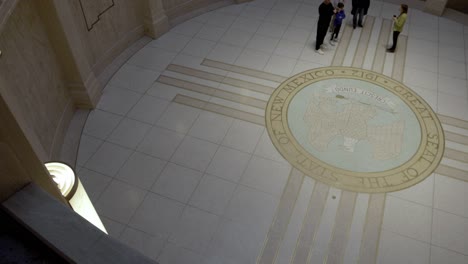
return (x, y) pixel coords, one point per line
(395, 39)
(321, 33)
(360, 13)
(336, 31)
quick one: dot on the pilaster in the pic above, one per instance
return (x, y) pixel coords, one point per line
(435, 7)
(156, 22)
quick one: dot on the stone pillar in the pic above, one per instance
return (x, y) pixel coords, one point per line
(82, 83)
(19, 163)
(435, 7)
(155, 21)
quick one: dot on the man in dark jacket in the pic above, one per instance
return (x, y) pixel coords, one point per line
(326, 12)
(360, 8)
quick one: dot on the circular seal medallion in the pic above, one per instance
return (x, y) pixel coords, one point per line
(355, 129)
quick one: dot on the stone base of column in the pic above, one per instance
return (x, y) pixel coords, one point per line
(86, 95)
(155, 27)
(242, 1)
(435, 7)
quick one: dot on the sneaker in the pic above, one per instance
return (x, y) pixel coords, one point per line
(332, 42)
(390, 50)
(324, 46)
(335, 40)
(320, 51)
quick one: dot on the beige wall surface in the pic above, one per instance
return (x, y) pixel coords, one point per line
(19, 164)
(52, 55)
(35, 105)
(33, 84)
(106, 28)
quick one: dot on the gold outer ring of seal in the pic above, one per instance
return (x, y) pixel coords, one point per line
(417, 168)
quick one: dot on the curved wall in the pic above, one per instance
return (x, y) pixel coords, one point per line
(55, 57)
(34, 87)
(106, 28)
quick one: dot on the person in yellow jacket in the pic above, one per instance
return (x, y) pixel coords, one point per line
(398, 23)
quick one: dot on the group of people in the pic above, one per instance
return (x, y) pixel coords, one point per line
(359, 10)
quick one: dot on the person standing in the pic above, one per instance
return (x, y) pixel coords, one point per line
(398, 23)
(326, 11)
(359, 8)
(339, 16)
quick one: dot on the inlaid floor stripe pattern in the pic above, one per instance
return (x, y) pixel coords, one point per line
(221, 79)
(379, 57)
(363, 43)
(343, 45)
(304, 252)
(375, 210)
(282, 218)
(343, 221)
(372, 228)
(289, 242)
(215, 92)
(455, 161)
(356, 230)
(400, 57)
(311, 222)
(220, 109)
(372, 45)
(245, 71)
(459, 171)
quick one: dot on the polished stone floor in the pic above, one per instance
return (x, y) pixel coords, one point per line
(179, 163)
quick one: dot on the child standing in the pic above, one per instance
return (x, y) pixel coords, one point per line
(339, 16)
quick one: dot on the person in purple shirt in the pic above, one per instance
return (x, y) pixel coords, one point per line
(339, 16)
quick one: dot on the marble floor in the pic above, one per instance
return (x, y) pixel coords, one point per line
(180, 165)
